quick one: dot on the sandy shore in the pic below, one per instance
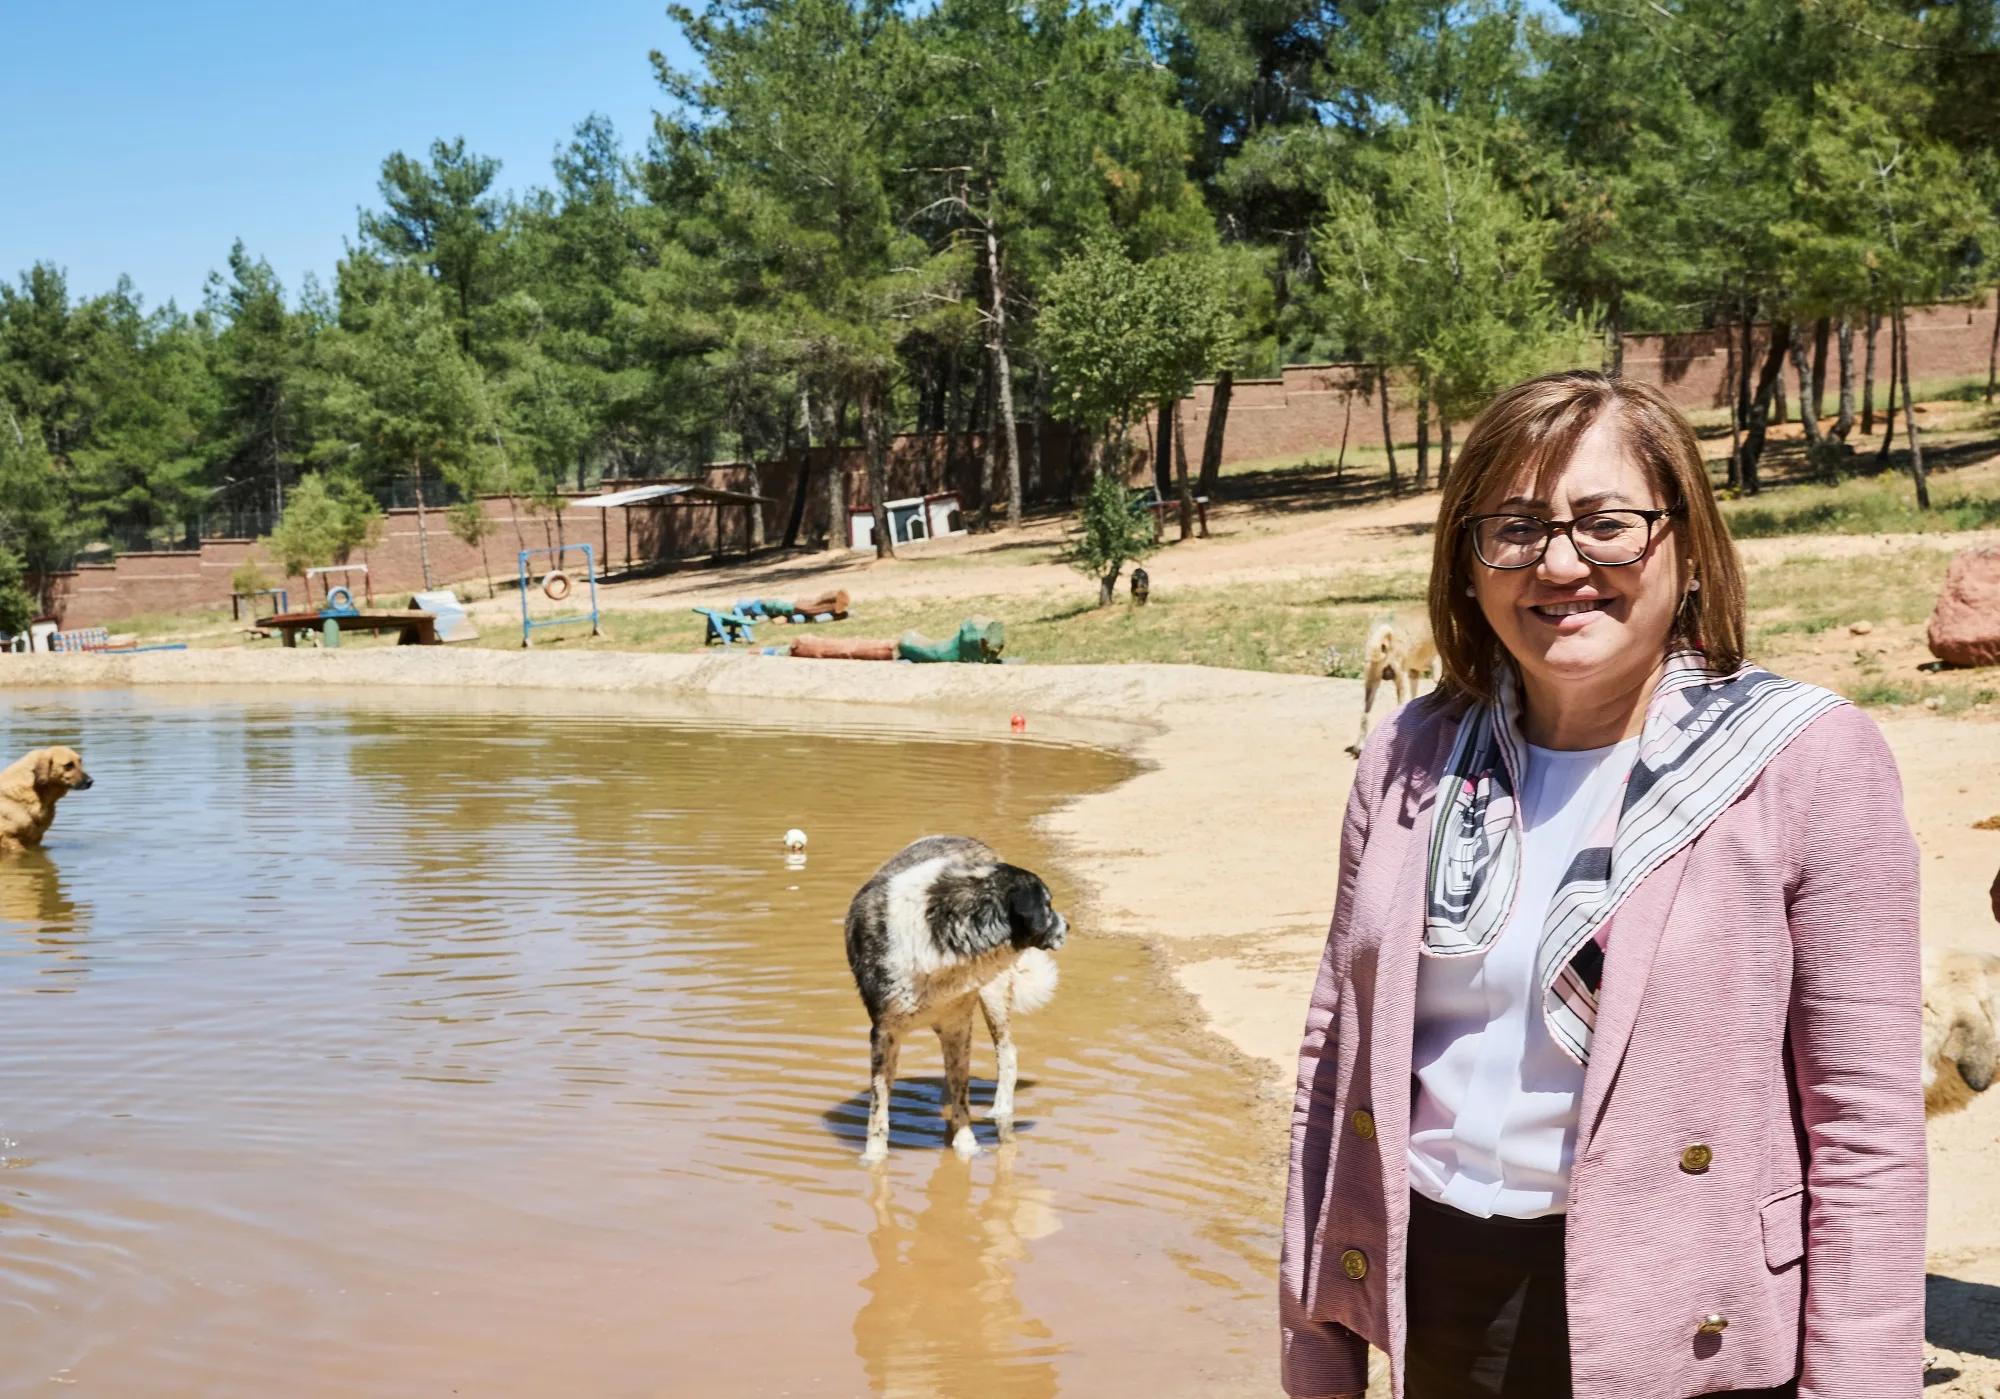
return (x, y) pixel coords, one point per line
(1222, 850)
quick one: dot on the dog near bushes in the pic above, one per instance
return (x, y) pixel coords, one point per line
(944, 929)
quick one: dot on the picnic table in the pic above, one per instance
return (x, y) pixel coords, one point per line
(416, 628)
(1159, 507)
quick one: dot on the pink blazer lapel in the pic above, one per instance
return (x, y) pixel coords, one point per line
(1632, 937)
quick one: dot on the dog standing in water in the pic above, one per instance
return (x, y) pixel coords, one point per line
(943, 927)
(30, 787)
(1401, 648)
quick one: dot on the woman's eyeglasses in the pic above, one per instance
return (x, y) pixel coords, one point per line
(1607, 538)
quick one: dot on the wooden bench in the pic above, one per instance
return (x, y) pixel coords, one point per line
(1151, 501)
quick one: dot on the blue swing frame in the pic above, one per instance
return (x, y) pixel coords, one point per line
(528, 624)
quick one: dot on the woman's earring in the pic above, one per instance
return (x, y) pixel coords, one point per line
(1471, 591)
(1694, 585)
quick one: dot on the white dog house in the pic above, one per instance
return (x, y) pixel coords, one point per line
(919, 517)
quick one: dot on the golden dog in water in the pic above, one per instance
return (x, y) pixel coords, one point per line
(30, 787)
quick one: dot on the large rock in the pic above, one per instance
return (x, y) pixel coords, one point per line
(1965, 628)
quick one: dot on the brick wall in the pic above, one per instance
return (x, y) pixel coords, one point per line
(98, 595)
(1302, 413)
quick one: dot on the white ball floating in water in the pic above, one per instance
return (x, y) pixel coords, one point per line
(795, 839)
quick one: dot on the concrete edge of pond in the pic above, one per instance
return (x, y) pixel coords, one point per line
(1118, 692)
(1222, 849)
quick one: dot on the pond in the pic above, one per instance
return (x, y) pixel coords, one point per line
(404, 1049)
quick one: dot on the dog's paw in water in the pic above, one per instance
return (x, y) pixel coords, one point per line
(965, 1144)
(876, 1154)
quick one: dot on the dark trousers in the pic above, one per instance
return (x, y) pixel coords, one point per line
(1487, 1318)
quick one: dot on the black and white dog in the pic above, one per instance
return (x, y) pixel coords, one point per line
(940, 928)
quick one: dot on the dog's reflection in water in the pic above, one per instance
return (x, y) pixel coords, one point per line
(941, 1315)
(36, 915)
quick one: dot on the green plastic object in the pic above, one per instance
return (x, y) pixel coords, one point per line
(329, 634)
(979, 642)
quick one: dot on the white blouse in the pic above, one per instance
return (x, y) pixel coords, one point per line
(1493, 1125)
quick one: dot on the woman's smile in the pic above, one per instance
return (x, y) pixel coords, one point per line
(1572, 614)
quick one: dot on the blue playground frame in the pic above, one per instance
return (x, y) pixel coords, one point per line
(528, 624)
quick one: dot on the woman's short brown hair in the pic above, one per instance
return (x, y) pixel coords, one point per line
(1535, 427)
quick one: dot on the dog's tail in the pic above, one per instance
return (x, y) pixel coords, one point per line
(1035, 978)
(1382, 639)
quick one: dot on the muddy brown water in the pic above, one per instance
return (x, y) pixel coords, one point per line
(367, 1050)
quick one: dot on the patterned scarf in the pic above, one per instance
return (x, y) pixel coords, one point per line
(1704, 741)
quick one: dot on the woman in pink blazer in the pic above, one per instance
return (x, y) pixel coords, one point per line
(1610, 1081)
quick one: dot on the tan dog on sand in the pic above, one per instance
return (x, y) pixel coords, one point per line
(1961, 1039)
(30, 787)
(1402, 649)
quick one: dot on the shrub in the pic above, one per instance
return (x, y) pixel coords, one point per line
(1110, 534)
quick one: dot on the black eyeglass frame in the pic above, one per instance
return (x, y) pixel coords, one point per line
(1551, 528)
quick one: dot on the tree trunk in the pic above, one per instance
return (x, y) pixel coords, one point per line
(989, 460)
(1993, 351)
(1163, 452)
(423, 527)
(1768, 380)
(1107, 587)
(1744, 394)
(486, 565)
(1821, 329)
(1034, 487)
(1181, 475)
(1444, 445)
(799, 496)
(1781, 408)
(836, 483)
(1423, 436)
(1005, 389)
(1909, 413)
(1218, 424)
(1844, 423)
(1807, 420)
(1868, 375)
(1889, 412)
(1614, 349)
(1729, 392)
(756, 511)
(1346, 419)
(951, 419)
(1388, 434)
(1744, 360)
(878, 469)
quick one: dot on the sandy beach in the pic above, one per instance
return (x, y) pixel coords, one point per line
(1221, 851)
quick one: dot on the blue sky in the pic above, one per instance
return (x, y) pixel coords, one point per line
(144, 138)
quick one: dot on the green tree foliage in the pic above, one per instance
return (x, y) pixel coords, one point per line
(403, 400)
(264, 382)
(443, 217)
(17, 602)
(1121, 336)
(1440, 268)
(325, 521)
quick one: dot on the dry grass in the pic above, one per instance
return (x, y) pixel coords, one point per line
(1303, 630)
